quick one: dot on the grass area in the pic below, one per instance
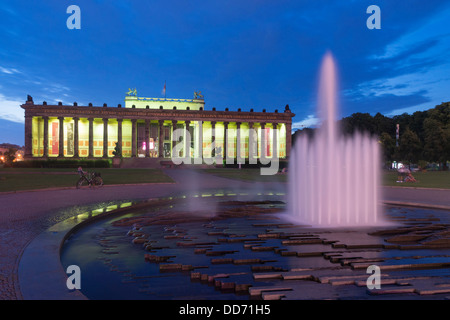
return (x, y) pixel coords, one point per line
(246, 175)
(429, 179)
(15, 179)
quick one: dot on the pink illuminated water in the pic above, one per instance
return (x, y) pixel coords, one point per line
(334, 180)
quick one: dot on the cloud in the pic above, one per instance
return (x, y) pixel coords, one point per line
(10, 109)
(309, 121)
(411, 74)
(9, 70)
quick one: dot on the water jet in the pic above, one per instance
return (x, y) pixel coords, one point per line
(334, 179)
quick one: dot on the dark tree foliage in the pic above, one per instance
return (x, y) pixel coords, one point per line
(424, 136)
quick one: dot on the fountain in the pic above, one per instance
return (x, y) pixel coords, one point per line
(334, 180)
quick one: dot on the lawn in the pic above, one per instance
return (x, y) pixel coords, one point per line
(246, 175)
(27, 179)
(429, 179)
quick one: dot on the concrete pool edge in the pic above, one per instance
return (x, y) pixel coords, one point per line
(41, 275)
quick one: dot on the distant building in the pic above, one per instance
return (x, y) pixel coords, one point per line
(145, 127)
(4, 147)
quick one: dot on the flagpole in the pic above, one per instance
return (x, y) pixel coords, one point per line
(164, 89)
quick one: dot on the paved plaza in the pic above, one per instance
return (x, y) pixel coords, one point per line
(25, 215)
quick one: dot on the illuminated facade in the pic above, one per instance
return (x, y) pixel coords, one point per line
(146, 127)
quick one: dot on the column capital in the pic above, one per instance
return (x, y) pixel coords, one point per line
(76, 118)
(61, 118)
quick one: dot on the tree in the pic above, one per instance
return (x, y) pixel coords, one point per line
(384, 124)
(10, 156)
(117, 150)
(362, 122)
(436, 141)
(388, 146)
(410, 146)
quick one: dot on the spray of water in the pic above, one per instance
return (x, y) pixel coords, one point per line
(334, 180)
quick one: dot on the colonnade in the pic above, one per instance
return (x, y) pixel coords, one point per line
(237, 139)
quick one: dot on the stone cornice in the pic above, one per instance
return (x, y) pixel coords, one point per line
(155, 114)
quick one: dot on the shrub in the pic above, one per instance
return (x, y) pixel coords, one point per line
(62, 163)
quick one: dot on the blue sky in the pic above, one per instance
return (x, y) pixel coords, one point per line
(245, 54)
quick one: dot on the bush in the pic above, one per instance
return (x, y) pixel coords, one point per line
(63, 163)
(422, 164)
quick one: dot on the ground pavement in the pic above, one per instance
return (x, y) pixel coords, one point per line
(26, 214)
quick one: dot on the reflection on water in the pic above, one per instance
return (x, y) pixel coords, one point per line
(213, 249)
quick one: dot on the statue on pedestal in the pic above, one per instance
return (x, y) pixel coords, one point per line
(132, 92)
(198, 95)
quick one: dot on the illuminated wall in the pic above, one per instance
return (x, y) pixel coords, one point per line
(157, 103)
(53, 137)
(98, 137)
(38, 137)
(112, 136)
(69, 137)
(244, 129)
(219, 140)
(282, 141)
(232, 136)
(196, 128)
(126, 138)
(83, 137)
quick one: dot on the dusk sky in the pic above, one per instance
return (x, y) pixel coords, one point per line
(245, 54)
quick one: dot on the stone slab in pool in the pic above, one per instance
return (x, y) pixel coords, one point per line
(222, 249)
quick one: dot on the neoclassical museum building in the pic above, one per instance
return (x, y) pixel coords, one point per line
(146, 128)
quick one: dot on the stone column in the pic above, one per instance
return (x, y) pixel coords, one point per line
(133, 138)
(45, 136)
(213, 138)
(119, 134)
(147, 138)
(174, 138)
(252, 145)
(238, 143)
(200, 140)
(91, 137)
(225, 139)
(61, 137)
(275, 141)
(28, 136)
(187, 142)
(288, 138)
(75, 137)
(161, 139)
(198, 153)
(105, 137)
(263, 142)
